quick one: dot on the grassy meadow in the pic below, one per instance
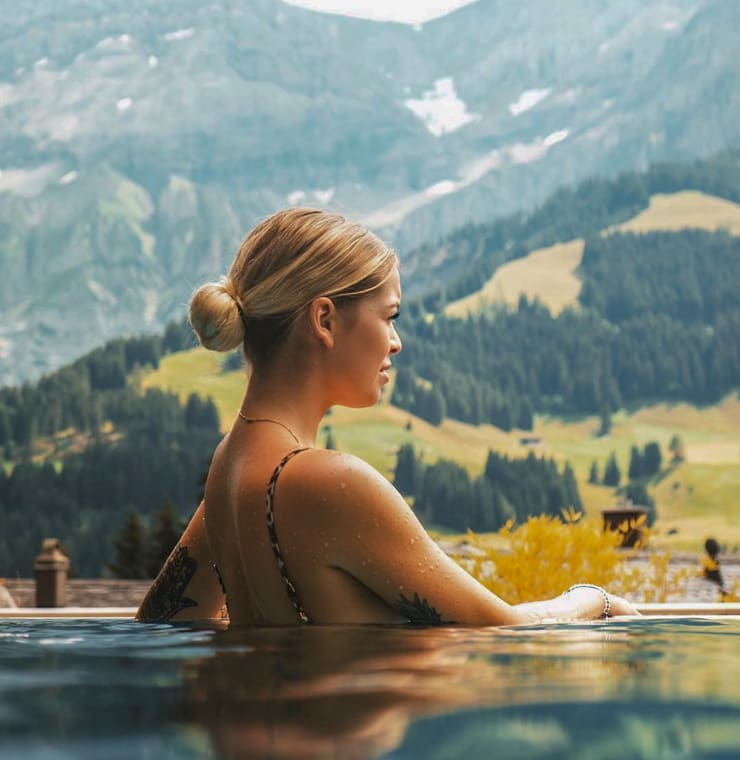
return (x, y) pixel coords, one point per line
(550, 274)
(699, 497)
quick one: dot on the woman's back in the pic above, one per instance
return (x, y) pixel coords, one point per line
(258, 589)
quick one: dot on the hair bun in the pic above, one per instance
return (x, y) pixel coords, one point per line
(214, 315)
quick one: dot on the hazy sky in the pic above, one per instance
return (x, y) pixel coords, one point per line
(405, 11)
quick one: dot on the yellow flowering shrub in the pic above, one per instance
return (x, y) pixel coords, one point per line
(548, 554)
(732, 595)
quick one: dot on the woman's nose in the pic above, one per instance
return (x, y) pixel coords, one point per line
(396, 344)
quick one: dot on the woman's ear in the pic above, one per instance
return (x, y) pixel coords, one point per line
(322, 319)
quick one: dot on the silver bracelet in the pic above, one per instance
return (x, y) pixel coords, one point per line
(607, 603)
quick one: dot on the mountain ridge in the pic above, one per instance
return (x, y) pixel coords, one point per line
(220, 115)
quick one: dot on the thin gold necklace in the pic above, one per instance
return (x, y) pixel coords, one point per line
(267, 419)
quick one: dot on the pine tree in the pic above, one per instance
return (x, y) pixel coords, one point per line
(570, 486)
(329, 442)
(164, 535)
(593, 475)
(677, 449)
(406, 477)
(652, 459)
(636, 468)
(605, 423)
(437, 407)
(612, 474)
(130, 549)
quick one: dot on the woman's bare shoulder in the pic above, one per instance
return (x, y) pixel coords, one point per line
(335, 493)
(329, 475)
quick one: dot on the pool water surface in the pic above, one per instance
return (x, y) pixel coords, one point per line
(649, 688)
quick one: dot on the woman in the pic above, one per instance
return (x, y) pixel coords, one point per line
(288, 533)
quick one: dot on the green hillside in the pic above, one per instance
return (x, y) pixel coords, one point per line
(697, 497)
(550, 273)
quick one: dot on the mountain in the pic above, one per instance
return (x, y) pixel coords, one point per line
(141, 140)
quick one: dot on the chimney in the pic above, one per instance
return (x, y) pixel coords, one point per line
(51, 568)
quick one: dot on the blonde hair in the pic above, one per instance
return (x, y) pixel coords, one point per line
(283, 264)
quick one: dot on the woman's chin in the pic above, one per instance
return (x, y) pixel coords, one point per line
(363, 401)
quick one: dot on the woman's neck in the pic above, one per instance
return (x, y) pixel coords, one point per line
(292, 400)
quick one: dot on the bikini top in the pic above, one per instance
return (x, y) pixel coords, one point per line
(270, 513)
(289, 587)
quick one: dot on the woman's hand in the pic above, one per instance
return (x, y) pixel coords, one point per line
(619, 606)
(591, 602)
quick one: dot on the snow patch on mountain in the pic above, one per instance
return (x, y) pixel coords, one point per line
(525, 153)
(324, 196)
(414, 12)
(180, 34)
(528, 99)
(518, 153)
(68, 178)
(440, 108)
(392, 213)
(28, 183)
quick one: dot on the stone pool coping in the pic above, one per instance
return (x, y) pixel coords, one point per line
(666, 609)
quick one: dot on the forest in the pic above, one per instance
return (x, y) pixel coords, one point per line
(508, 489)
(132, 452)
(579, 212)
(659, 318)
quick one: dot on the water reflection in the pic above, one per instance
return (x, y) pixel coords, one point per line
(644, 688)
(355, 692)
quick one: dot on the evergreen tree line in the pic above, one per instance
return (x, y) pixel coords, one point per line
(509, 489)
(501, 367)
(570, 213)
(164, 454)
(689, 276)
(86, 393)
(140, 549)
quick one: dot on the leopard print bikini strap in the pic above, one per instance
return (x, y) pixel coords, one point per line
(289, 587)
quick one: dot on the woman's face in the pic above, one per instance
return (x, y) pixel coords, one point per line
(366, 342)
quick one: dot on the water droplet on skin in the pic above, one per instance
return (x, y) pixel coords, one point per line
(326, 544)
(342, 485)
(359, 536)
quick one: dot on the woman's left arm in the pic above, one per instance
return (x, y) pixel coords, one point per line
(186, 587)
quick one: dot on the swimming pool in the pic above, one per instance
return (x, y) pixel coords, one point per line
(650, 688)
